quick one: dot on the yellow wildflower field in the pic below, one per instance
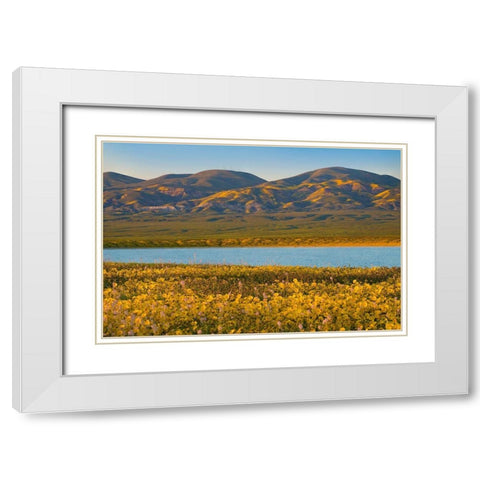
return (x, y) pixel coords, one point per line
(172, 299)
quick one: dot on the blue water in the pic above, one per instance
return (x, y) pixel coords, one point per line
(285, 256)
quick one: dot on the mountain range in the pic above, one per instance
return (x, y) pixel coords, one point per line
(226, 191)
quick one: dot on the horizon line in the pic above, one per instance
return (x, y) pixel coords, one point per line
(241, 171)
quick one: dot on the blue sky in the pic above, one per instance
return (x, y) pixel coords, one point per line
(149, 160)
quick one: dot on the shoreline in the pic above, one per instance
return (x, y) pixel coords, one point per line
(373, 244)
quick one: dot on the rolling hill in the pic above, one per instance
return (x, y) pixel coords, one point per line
(166, 192)
(328, 206)
(224, 191)
(118, 180)
(333, 188)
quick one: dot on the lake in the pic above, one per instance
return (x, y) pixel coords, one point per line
(285, 256)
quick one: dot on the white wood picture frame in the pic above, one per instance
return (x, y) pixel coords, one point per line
(39, 384)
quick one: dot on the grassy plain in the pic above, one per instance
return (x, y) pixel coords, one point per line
(324, 228)
(171, 299)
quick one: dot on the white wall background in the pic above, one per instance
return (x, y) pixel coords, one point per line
(407, 41)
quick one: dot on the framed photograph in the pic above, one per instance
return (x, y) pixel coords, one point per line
(186, 240)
